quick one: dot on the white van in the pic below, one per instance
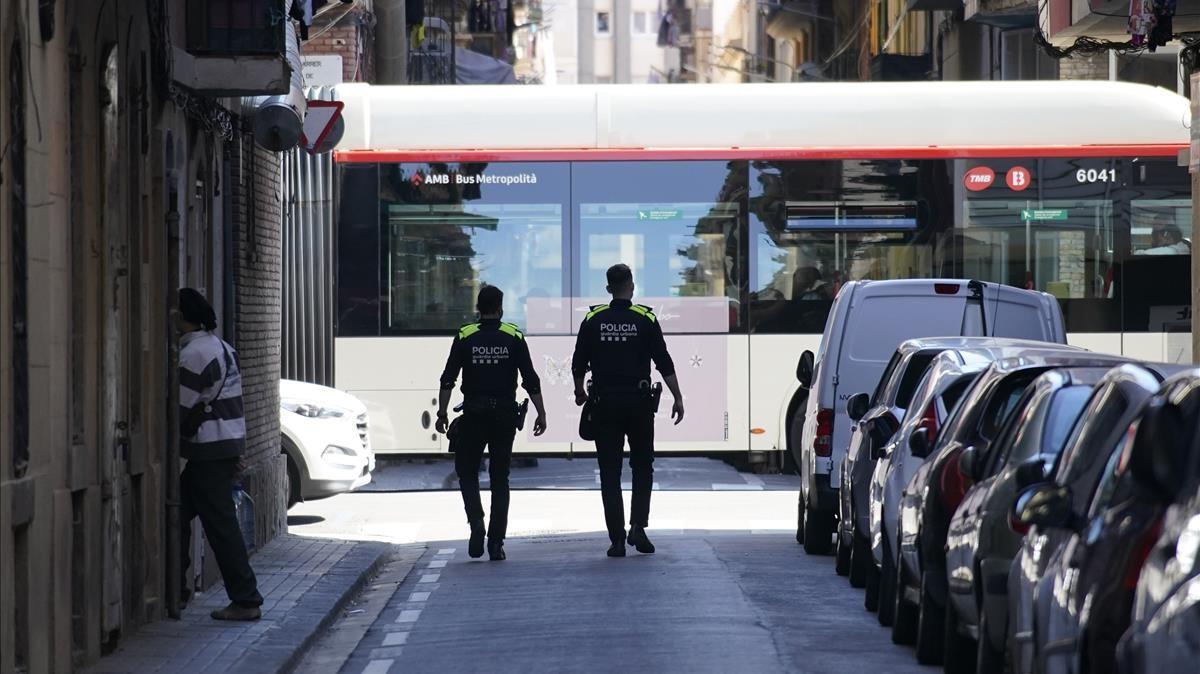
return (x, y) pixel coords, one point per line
(868, 319)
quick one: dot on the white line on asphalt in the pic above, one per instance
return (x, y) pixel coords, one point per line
(430, 578)
(418, 596)
(395, 639)
(723, 486)
(378, 667)
(409, 615)
(446, 551)
(437, 564)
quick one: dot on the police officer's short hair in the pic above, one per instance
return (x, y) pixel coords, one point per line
(490, 301)
(619, 275)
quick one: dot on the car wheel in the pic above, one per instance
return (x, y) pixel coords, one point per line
(293, 474)
(904, 614)
(931, 620)
(842, 555)
(800, 519)
(818, 534)
(871, 596)
(988, 660)
(887, 587)
(860, 560)
(958, 653)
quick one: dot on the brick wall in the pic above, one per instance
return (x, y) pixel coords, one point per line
(1084, 67)
(350, 36)
(258, 298)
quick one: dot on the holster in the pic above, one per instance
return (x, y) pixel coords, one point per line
(655, 397)
(522, 410)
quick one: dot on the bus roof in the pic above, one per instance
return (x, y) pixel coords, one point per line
(766, 121)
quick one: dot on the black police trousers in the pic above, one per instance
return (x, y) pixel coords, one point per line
(616, 419)
(497, 434)
(206, 491)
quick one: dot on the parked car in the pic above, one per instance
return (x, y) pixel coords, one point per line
(1165, 634)
(873, 428)
(1115, 403)
(1095, 577)
(866, 323)
(326, 440)
(937, 488)
(942, 385)
(982, 543)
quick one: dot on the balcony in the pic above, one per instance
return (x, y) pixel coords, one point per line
(1063, 20)
(232, 47)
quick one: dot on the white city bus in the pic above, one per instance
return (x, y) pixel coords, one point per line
(742, 210)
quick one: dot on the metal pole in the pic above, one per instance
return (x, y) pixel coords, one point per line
(1194, 168)
(171, 469)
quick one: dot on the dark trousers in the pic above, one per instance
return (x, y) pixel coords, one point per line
(615, 420)
(497, 434)
(206, 491)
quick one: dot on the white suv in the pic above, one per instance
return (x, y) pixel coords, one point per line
(326, 440)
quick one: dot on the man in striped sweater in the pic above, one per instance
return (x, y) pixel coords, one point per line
(213, 429)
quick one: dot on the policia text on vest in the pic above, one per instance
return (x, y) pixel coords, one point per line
(616, 342)
(489, 354)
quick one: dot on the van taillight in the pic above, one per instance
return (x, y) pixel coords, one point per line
(823, 443)
(946, 288)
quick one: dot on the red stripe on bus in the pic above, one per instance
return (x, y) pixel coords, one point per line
(601, 154)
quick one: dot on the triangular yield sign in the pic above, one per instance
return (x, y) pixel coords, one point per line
(319, 120)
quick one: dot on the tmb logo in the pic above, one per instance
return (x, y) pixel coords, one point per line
(979, 178)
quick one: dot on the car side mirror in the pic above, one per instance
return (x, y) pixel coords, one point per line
(968, 463)
(1030, 473)
(1045, 505)
(858, 406)
(804, 369)
(918, 443)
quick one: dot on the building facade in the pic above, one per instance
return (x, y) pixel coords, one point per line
(127, 170)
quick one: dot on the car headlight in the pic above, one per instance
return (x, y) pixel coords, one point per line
(312, 410)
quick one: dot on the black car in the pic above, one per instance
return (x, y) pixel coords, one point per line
(1097, 573)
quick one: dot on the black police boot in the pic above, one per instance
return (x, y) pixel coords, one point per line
(475, 547)
(639, 540)
(496, 550)
(617, 549)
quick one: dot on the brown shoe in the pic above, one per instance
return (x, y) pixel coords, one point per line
(235, 612)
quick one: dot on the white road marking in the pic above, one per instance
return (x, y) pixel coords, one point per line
(418, 596)
(395, 639)
(430, 578)
(437, 564)
(409, 615)
(378, 667)
(724, 486)
(446, 551)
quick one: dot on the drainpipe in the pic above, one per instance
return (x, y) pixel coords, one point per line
(277, 121)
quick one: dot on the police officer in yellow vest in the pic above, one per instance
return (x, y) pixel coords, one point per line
(490, 354)
(616, 342)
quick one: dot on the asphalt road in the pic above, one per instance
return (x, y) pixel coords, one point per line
(729, 590)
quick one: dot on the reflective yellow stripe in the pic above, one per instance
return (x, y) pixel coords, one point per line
(510, 329)
(595, 310)
(645, 311)
(468, 330)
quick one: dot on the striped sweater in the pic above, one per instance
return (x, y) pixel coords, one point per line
(204, 363)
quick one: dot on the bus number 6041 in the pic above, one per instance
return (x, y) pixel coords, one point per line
(1094, 176)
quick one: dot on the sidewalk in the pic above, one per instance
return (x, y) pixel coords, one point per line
(305, 581)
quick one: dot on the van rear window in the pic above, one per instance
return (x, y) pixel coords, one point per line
(875, 327)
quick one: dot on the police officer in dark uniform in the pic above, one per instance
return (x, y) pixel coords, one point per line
(616, 342)
(490, 354)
